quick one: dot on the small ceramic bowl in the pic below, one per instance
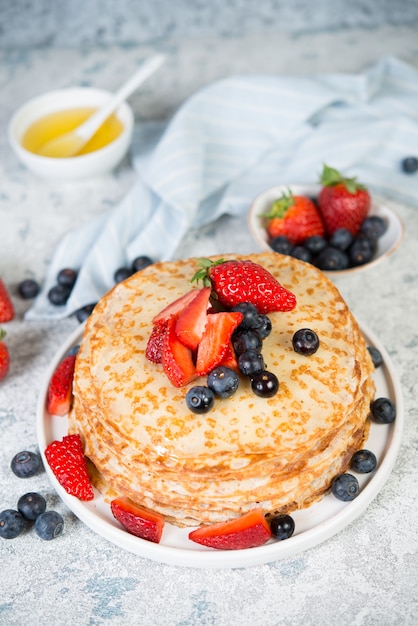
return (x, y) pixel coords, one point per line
(386, 244)
(89, 165)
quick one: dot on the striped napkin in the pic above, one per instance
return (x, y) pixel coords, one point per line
(229, 142)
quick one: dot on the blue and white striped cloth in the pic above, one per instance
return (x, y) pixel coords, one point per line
(229, 142)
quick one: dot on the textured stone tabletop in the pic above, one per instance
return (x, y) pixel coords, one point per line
(368, 572)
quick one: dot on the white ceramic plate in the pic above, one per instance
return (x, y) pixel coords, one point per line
(313, 525)
(386, 245)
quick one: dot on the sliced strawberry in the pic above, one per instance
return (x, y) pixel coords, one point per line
(60, 390)
(7, 311)
(4, 356)
(175, 307)
(229, 359)
(67, 461)
(176, 357)
(191, 322)
(249, 531)
(137, 520)
(216, 340)
(154, 349)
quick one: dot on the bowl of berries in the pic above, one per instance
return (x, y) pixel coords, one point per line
(335, 225)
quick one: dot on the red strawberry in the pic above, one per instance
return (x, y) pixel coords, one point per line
(229, 359)
(343, 202)
(60, 390)
(175, 307)
(177, 358)
(249, 531)
(67, 461)
(7, 311)
(154, 349)
(4, 356)
(245, 281)
(191, 322)
(137, 520)
(295, 217)
(216, 340)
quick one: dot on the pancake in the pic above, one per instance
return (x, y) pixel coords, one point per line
(278, 453)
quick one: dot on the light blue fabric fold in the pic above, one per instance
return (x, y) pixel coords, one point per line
(229, 142)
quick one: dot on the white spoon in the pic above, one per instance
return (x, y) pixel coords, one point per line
(69, 144)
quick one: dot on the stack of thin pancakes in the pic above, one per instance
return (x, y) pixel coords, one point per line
(279, 453)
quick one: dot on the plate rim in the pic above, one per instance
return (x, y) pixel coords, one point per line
(206, 558)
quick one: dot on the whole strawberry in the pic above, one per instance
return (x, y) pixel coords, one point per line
(4, 356)
(237, 281)
(7, 311)
(343, 202)
(295, 217)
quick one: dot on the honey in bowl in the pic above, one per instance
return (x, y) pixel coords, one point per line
(55, 124)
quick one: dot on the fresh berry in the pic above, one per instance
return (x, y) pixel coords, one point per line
(345, 487)
(67, 277)
(58, 295)
(223, 381)
(191, 322)
(383, 410)
(31, 505)
(360, 252)
(244, 340)
(154, 349)
(200, 399)
(282, 526)
(265, 384)
(74, 350)
(49, 525)
(363, 461)
(140, 263)
(229, 359)
(264, 325)
(216, 340)
(332, 259)
(410, 164)
(11, 524)
(85, 312)
(341, 239)
(176, 358)
(28, 289)
(122, 273)
(250, 314)
(175, 307)
(245, 281)
(137, 520)
(281, 244)
(60, 389)
(26, 464)
(305, 341)
(373, 227)
(4, 356)
(7, 311)
(248, 531)
(250, 363)
(301, 253)
(376, 356)
(67, 461)
(343, 202)
(295, 217)
(315, 244)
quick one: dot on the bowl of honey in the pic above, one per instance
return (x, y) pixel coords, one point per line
(50, 115)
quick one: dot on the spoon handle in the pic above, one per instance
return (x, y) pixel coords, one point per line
(148, 68)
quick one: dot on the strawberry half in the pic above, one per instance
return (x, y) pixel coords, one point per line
(191, 322)
(175, 307)
(60, 389)
(177, 359)
(7, 311)
(4, 356)
(295, 217)
(137, 520)
(67, 461)
(216, 340)
(249, 531)
(343, 202)
(154, 349)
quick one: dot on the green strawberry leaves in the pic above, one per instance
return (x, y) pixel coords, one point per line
(330, 177)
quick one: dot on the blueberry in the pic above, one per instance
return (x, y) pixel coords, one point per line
(28, 289)
(26, 464)
(373, 227)
(281, 244)
(341, 239)
(410, 164)
(141, 262)
(250, 363)
(376, 356)
(73, 350)
(31, 505)
(49, 525)
(250, 313)
(383, 410)
(282, 526)
(264, 325)
(305, 341)
(11, 524)
(59, 294)
(361, 251)
(85, 312)
(302, 253)
(332, 259)
(345, 487)
(200, 399)
(363, 461)
(67, 277)
(315, 244)
(245, 340)
(265, 384)
(223, 381)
